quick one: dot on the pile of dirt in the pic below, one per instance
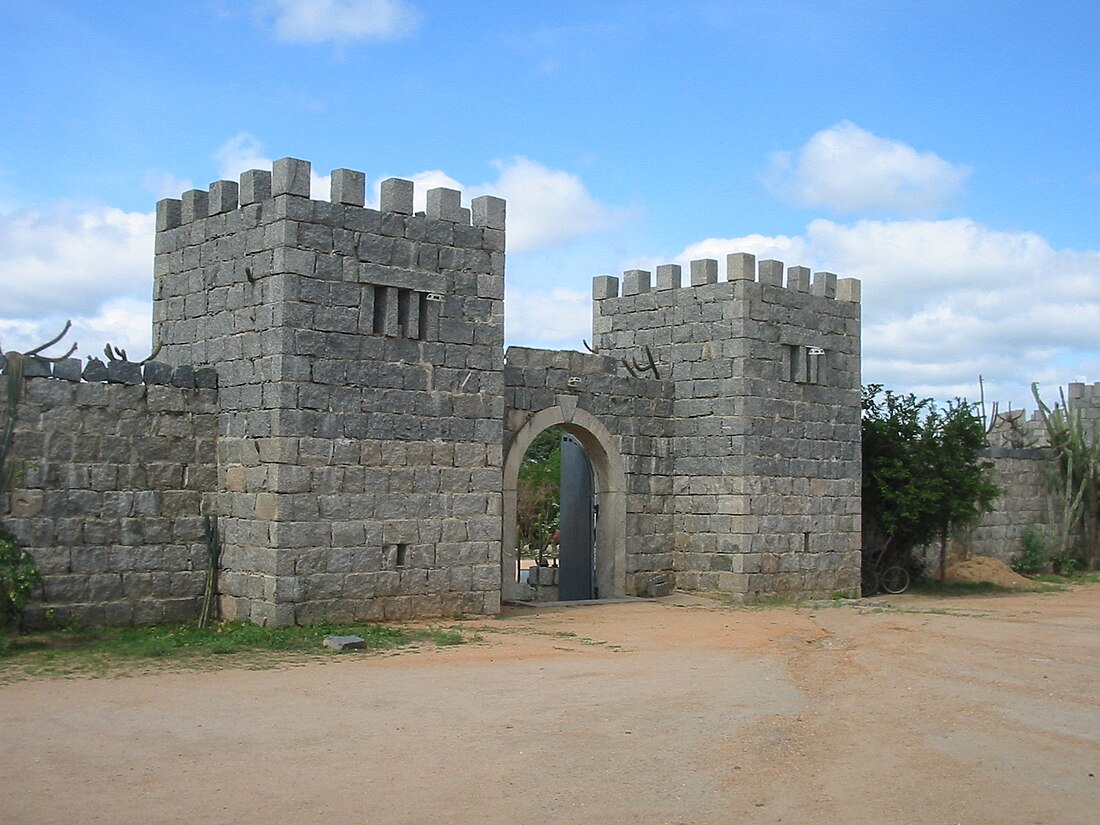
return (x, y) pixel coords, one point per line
(989, 570)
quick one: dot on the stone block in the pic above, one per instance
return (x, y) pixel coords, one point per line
(290, 176)
(255, 186)
(668, 276)
(740, 266)
(169, 214)
(396, 195)
(489, 212)
(824, 284)
(348, 187)
(704, 271)
(156, 372)
(605, 286)
(770, 272)
(342, 643)
(847, 289)
(798, 278)
(444, 204)
(195, 205)
(635, 282)
(67, 369)
(95, 371)
(123, 372)
(223, 196)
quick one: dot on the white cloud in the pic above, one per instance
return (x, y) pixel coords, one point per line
(73, 259)
(946, 300)
(850, 170)
(343, 21)
(547, 206)
(244, 151)
(552, 319)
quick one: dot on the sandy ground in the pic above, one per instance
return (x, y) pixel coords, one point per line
(972, 710)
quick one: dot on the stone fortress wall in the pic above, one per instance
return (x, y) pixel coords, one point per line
(1020, 454)
(360, 448)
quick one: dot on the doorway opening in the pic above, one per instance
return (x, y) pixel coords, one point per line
(580, 498)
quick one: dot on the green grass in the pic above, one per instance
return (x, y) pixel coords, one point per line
(1084, 577)
(116, 650)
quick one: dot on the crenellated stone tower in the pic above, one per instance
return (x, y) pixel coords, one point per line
(764, 437)
(359, 354)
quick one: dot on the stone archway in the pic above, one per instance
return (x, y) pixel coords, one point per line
(610, 485)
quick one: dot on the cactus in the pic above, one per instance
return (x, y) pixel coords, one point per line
(1074, 484)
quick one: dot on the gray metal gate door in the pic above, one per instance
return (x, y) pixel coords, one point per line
(578, 528)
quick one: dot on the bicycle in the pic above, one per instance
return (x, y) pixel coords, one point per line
(876, 576)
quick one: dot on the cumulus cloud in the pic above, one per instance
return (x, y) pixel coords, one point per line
(244, 151)
(547, 206)
(73, 258)
(849, 170)
(342, 21)
(945, 301)
(557, 318)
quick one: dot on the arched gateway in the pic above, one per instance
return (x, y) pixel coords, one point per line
(610, 490)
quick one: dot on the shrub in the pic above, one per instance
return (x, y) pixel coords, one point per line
(18, 578)
(1032, 557)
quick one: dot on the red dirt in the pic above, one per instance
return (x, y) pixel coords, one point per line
(963, 710)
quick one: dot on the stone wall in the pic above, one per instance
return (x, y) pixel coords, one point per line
(112, 496)
(359, 450)
(1021, 473)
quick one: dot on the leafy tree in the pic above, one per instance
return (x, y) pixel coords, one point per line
(922, 477)
(537, 493)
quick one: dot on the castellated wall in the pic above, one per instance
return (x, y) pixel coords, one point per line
(111, 499)
(359, 353)
(332, 384)
(765, 427)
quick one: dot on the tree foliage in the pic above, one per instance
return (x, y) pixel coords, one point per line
(922, 477)
(538, 494)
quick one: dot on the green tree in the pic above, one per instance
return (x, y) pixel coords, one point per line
(537, 493)
(922, 477)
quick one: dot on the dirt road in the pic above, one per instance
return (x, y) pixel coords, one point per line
(976, 710)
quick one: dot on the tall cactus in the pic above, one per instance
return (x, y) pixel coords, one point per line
(13, 372)
(1075, 481)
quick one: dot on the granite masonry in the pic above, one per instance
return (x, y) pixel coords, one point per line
(362, 443)
(1021, 457)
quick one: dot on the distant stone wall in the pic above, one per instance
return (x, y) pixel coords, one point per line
(111, 499)
(1021, 474)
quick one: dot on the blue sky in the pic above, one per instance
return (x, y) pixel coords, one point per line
(944, 153)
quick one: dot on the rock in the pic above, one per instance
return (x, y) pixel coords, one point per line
(344, 642)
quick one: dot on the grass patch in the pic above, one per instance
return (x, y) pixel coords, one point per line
(1084, 577)
(116, 650)
(934, 588)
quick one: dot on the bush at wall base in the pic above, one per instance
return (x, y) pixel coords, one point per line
(18, 578)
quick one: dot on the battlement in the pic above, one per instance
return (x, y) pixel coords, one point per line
(740, 266)
(291, 176)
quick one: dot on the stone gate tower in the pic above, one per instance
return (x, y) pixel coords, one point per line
(359, 354)
(764, 437)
